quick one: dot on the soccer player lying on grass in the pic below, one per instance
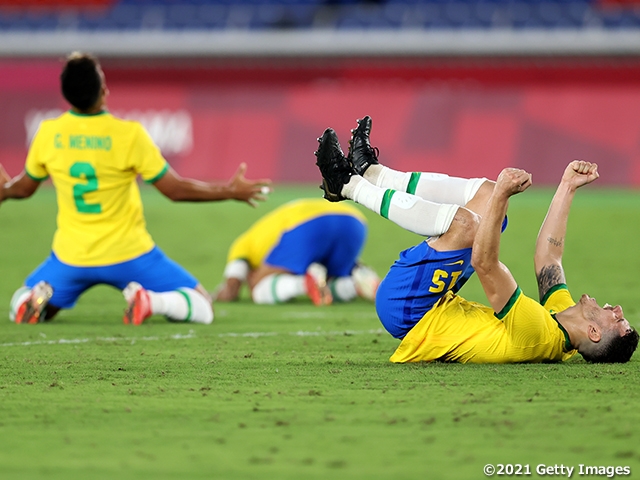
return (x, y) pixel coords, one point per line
(281, 257)
(416, 301)
(93, 159)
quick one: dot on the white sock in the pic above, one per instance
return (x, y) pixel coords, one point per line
(363, 192)
(434, 187)
(408, 211)
(237, 269)
(386, 177)
(19, 297)
(278, 288)
(343, 289)
(441, 188)
(182, 305)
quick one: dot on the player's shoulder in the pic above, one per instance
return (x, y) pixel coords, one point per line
(124, 122)
(54, 122)
(50, 128)
(126, 128)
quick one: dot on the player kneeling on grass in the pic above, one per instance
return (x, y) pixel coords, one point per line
(416, 301)
(94, 159)
(305, 247)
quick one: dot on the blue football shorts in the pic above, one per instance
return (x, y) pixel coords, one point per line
(334, 241)
(153, 270)
(416, 281)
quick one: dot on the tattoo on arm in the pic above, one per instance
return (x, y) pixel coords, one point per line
(549, 276)
(555, 242)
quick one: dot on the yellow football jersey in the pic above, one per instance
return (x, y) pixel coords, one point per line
(93, 161)
(255, 244)
(457, 330)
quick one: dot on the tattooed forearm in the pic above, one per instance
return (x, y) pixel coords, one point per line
(555, 242)
(549, 276)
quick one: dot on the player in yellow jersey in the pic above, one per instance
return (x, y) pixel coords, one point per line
(93, 159)
(307, 246)
(417, 300)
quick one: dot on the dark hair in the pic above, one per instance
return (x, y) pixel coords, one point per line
(80, 80)
(617, 350)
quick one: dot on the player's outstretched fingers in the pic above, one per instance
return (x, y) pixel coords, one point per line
(249, 191)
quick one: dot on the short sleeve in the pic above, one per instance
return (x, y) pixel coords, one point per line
(34, 165)
(146, 157)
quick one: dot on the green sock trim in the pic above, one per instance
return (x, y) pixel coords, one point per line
(332, 288)
(274, 280)
(186, 297)
(413, 182)
(386, 201)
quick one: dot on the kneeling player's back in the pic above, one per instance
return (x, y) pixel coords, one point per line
(256, 242)
(93, 161)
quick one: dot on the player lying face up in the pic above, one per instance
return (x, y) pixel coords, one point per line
(417, 300)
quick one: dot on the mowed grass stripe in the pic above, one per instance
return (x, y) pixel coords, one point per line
(295, 391)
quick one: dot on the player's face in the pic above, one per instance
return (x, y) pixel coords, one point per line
(607, 317)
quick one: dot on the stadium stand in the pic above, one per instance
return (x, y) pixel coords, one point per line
(173, 15)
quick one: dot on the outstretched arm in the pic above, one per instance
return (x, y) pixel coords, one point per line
(21, 186)
(550, 243)
(179, 189)
(496, 279)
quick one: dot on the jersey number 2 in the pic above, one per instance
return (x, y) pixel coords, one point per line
(86, 171)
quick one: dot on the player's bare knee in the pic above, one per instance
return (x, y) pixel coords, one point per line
(461, 233)
(479, 201)
(486, 190)
(464, 226)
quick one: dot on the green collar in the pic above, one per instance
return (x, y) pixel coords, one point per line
(567, 341)
(101, 112)
(551, 291)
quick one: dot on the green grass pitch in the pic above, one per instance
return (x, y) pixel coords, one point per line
(299, 392)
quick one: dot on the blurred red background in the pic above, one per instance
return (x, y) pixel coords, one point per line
(463, 117)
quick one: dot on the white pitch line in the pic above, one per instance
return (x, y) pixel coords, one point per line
(190, 335)
(74, 341)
